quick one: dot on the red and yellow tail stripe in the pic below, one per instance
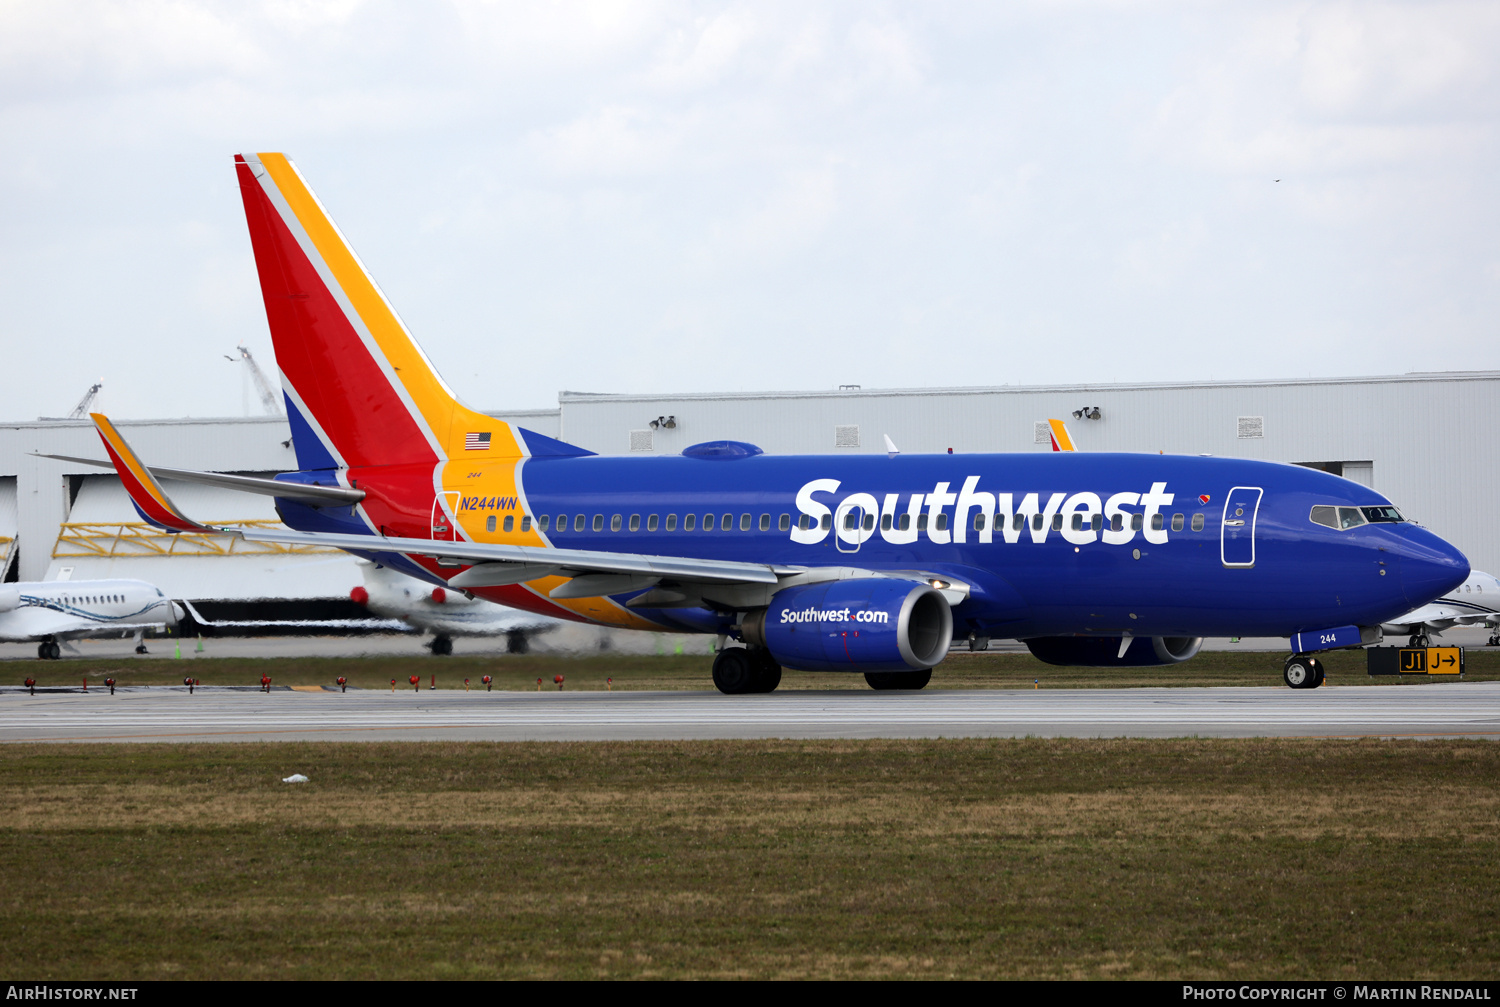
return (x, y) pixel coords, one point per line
(146, 493)
(347, 361)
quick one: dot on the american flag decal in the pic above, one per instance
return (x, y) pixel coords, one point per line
(477, 442)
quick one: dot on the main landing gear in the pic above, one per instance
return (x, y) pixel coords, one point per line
(739, 670)
(1302, 672)
(1419, 640)
(48, 650)
(441, 645)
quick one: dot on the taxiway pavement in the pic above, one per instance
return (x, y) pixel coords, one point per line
(1448, 709)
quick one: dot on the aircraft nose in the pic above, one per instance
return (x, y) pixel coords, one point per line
(1430, 567)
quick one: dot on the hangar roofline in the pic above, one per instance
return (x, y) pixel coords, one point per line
(1413, 377)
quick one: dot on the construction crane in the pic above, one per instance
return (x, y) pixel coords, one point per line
(81, 410)
(268, 399)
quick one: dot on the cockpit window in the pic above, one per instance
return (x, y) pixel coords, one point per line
(1382, 515)
(1328, 517)
(1351, 517)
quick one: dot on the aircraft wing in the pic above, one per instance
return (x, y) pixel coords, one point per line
(1436, 617)
(490, 561)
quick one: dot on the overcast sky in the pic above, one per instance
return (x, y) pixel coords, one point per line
(675, 196)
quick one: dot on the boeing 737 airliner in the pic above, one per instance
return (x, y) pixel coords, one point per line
(864, 563)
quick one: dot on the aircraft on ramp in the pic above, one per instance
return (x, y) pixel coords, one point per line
(55, 611)
(444, 612)
(859, 563)
(1475, 602)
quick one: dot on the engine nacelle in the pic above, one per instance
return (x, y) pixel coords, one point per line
(1104, 651)
(873, 624)
(10, 597)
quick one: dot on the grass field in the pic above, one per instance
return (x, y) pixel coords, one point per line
(1113, 859)
(961, 670)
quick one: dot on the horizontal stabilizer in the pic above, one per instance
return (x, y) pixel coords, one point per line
(316, 495)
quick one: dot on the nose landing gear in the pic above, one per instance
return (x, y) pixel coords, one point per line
(1302, 672)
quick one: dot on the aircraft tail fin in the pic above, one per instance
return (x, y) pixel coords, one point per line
(1061, 440)
(359, 390)
(150, 500)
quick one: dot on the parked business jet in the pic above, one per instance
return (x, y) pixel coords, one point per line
(863, 563)
(58, 610)
(1475, 602)
(443, 612)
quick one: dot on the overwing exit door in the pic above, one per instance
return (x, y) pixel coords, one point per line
(1237, 530)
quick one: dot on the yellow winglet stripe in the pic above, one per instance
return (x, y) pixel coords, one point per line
(1060, 439)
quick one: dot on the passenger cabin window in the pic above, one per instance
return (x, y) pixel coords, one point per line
(765, 522)
(1137, 522)
(942, 522)
(1158, 522)
(745, 522)
(1197, 522)
(543, 521)
(672, 522)
(708, 522)
(579, 521)
(1117, 522)
(1020, 522)
(526, 522)
(510, 522)
(827, 522)
(651, 523)
(1096, 522)
(851, 520)
(906, 522)
(921, 522)
(489, 523)
(689, 522)
(1177, 522)
(979, 522)
(885, 522)
(614, 522)
(598, 522)
(1057, 522)
(786, 522)
(635, 522)
(726, 523)
(1036, 522)
(804, 522)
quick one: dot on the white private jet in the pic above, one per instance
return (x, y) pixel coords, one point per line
(1475, 602)
(57, 610)
(444, 612)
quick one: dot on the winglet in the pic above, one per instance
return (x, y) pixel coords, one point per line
(891, 450)
(150, 501)
(1060, 439)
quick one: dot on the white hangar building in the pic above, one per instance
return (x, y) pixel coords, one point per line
(1427, 441)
